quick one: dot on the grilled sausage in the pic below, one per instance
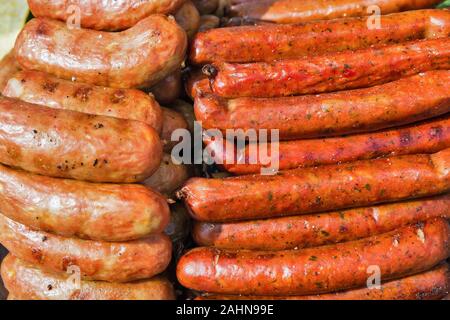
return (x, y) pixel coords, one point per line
(106, 261)
(273, 42)
(169, 177)
(332, 72)
(118, 60)
(44, 89)
(426, 137)
(317, 230)
(332, 114)
(173, 120)
(8, 67)
(293, 11)
(400, 253)
(318, 189)
(69, 208)
(69, 144)
(188, 18)
(26, 282)
(101, 15)
(169, 89)
(429, 285)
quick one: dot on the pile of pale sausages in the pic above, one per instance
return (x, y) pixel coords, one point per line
(85, 177)
(365, 153)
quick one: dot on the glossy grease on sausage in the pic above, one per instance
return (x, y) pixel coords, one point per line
(330, 114)
(47, 90)
(320, 229)
(26, 282)
(331, 72)
(70, 208)
(274, 42)
(400, 253)
(105, 261)
(103, 15)
(318, 189)
(69, 144)
(429, 285)
(293, 11)
(138, 57)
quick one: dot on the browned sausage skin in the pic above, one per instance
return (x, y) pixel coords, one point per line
(316, 230)
(318, 189)
(47, 90)
(26, 282)
(108, 212)
(292, 11)
(272, 42)
(69, 144)
(106, 261)
(403, 252)
(8, 67)
(330, 114)
(97, 58)
(101, 15)
(429, 285)
(331, 72)
(425, 137)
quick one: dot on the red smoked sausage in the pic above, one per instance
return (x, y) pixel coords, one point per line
(330, 114)
(331, 72)
(318, 189)
(430, 285)
(400, 253)
(273, 42)
(316, 230)
(290, 11)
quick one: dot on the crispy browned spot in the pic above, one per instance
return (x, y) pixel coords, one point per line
(42, 29)
(118, 96)
(82, 94)
(50, 86)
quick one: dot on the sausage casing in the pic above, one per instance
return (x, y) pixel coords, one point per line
(293, 11)
(69, 144)
(47, 90)
(317, 230)
(331, 72)
(106, 261)
(108, 212)
(110, 59)
(330, 114)
(8, 67)
(172, 120)
(318, 189)
(426, 137)
(274, 42)
(403, 252)
(429, 285)
(101, 15)
(26, 282)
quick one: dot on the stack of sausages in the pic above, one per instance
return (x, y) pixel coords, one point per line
(363, 119)
(84, 181)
